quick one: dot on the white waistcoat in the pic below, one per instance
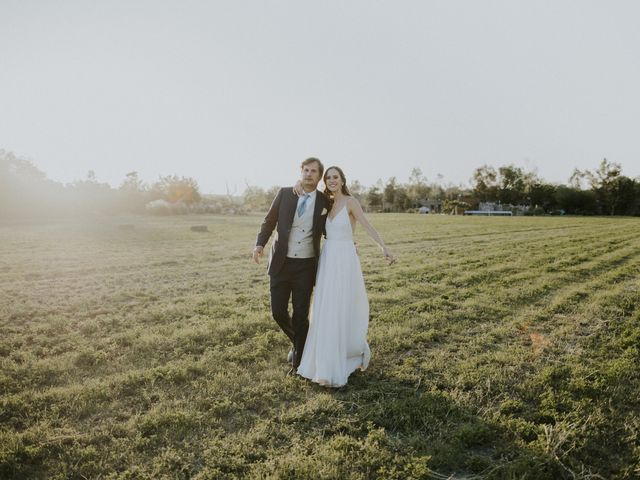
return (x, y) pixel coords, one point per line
(301, 234)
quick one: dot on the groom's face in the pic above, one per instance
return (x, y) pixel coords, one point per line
(310, 176)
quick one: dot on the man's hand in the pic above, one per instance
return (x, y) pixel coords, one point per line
(257, 253)
(297, 189)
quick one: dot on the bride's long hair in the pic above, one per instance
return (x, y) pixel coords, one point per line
(344, 189)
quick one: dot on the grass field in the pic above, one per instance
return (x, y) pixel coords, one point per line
(502, 348)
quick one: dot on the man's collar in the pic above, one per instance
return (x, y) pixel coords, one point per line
(312, 194)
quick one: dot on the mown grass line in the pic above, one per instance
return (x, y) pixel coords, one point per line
(497, 258)
(472, 389)
(536, 301)
(508, 275)
(514, 360)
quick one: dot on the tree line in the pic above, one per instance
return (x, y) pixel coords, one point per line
(25, 191)
(603, 191)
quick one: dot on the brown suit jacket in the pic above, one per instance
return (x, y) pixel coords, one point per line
(280, 217)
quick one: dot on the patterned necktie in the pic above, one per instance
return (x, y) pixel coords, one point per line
(302, 207)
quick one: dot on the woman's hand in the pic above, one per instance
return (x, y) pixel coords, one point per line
(297, 188)
(388, 256)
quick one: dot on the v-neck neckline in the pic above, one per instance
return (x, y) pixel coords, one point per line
(334, 217)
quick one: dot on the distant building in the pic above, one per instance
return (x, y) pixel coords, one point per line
(490, 209)
(428, 205)
(489, 213)
(494, 207)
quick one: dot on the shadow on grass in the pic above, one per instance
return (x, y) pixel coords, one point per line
(430, 424)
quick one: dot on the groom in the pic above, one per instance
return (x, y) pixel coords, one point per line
(294, 253)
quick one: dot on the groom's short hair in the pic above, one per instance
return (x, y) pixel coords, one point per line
(311, 160)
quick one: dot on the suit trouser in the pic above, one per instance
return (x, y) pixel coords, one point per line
(294, 281)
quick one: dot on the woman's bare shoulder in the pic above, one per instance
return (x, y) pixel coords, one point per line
(352, 202)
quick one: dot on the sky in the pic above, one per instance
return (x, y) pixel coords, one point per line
(239, 92)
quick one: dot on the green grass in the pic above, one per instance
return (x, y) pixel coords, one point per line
(503, 348)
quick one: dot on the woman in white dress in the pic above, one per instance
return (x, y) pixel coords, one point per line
(336, 344)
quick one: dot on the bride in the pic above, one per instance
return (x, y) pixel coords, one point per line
(337, 341)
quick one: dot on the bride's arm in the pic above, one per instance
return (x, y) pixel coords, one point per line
(356, 210)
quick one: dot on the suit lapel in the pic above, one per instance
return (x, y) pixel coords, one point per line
(317, 210)
(292, 203)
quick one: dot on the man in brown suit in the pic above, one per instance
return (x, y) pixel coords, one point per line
(299, 224)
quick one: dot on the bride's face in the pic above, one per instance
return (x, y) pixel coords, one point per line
(333, 180)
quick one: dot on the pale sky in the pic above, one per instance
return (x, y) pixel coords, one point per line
(241, 91)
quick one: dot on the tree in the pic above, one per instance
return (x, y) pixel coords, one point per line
(543, 196)
(395, 197)
(515, 184)
(10, 164)
(624, 199)
(92, 196)
(357, 190)
(133, 193)
(603, 182)
(575, 201)
(24, 188)
(485, 185)
(177, 189)
(374, 198)
(132, 183)
(401, 200)
(257, 199)
(577, 179)
(389, 193)
(417, 188)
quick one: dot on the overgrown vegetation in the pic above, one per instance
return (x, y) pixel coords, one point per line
(25, 191)
(502, 348)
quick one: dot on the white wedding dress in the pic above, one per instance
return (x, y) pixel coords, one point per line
(337, 340)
